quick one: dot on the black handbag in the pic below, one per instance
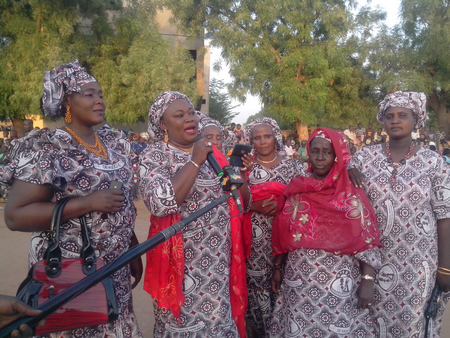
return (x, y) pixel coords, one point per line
(53, 274)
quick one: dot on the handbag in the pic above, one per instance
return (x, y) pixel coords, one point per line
(54, 274)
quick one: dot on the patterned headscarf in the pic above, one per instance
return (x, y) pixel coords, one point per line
(157, 110)
(229, 138)
(417, 102)
(248, 130)
(60, 82)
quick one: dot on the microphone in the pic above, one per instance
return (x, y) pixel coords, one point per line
(231, 182)
(214, 164)
(212, 161)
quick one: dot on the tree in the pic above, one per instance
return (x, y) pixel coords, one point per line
(300, 57)
(426, 27)
(119, 44)
(220, 106)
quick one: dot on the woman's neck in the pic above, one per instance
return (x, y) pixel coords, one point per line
(267, 157)
(84, 133)
(399, 148)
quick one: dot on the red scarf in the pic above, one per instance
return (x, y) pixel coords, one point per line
(164, 271)
(331, 214)
(259, 192)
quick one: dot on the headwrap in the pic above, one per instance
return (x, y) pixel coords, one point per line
(248, 131)
(331, 214)
(156, 111)
(229, 138)
(60, 82)
(417, 102)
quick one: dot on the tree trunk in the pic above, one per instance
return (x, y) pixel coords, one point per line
(302, 131)
(442, 114)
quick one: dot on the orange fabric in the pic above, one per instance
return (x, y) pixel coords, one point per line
(164, 271)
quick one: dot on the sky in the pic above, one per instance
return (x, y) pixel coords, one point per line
(253, 105)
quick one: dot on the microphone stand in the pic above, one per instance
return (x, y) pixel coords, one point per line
(89, 281)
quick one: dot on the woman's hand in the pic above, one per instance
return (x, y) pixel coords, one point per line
(247, 161)
(356, 177)
(106, 200)
(365, 294)
(275, 281)
(201, 150)
(443, 282)
(136, 266)
(137, 269)
(267, 207)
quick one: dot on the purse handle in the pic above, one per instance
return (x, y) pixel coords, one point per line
(53, 253)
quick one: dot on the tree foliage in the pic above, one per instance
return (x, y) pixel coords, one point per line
(220, 105)
(301, 58)
(119, 44)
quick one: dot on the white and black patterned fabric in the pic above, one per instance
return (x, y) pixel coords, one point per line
(407, 211)
(50, 158)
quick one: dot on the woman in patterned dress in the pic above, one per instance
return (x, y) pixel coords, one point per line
(267, 175)
(197, 278)
(326, 237)
(48, 166)
(409, 188)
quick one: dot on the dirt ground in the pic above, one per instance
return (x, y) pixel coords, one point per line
(13, 269)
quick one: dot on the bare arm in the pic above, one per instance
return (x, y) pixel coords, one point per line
(443, 228)
(29, 207)
(185, 178)
(365, 289)
(277, 275)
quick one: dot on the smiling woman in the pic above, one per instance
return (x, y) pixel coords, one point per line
(79, 162)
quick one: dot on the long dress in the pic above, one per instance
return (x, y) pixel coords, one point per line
(206, 311)
(260, 263)
(318, 296)
(50, 158)
(407, 209)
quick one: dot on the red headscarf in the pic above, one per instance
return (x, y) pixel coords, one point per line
(331, 214)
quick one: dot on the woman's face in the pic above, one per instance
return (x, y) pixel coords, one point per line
(399, 122)
(87, 108)
(321, 157)
(181, 123)
(263, 140)
(212, 133)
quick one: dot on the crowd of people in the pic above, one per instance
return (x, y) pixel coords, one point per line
(337, 237)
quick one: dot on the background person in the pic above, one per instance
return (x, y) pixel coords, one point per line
(408, 186)
(196, 279)
(267, 174)
(326, 238)
(77, 161)
(27, 126)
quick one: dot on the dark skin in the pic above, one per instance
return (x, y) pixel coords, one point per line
(26, 199)
(264, 144)
(399, 124)
(11, 309)
(181, 124)
(321, 157)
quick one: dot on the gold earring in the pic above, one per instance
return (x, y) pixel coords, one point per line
(68, 117)
(335, 159)
(166, 136)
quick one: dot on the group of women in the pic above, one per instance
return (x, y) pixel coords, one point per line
(315, 254)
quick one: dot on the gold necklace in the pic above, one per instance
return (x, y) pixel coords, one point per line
(266, 162)
(187, 150)
(96, 149)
